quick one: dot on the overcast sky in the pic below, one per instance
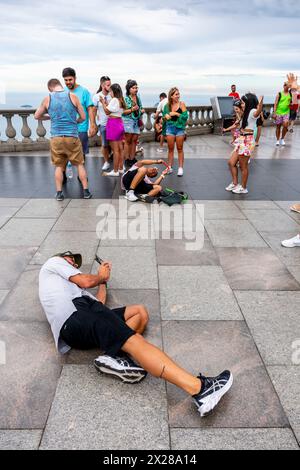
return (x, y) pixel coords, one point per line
(202, 46)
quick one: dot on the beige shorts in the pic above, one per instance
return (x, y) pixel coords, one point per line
(64, 149)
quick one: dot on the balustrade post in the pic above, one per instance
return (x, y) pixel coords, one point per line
(149, 125)
(10, 131)
(41, 132)
(190, 121)
(196, 119)
(25, 131)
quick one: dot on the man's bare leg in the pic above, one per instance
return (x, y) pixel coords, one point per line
(155, 191)
(158, 364)
(141, 173)
(59, 176)
(82, 176)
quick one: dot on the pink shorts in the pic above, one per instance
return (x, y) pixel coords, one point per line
(282, 119)
(244, 145)
(115, 129)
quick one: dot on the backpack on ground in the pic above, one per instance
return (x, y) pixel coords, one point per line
(171, 197)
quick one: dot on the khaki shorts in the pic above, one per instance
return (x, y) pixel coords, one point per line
(64, 149)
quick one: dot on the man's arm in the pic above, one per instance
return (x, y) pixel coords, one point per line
(78, 106)
(148, 162)
(41, 113)
(87, 281)
(92, 111)
(276, 103)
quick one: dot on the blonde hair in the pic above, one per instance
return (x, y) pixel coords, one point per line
(170, 94)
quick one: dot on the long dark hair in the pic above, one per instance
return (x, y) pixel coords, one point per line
(118, 93)
(102, 80)
(251, 102)
(130, 84)
(170, 95)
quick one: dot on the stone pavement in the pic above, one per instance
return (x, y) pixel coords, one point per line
(232, 304)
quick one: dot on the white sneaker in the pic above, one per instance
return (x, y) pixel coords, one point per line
(106, 166)
(292, 242)
(131, 196)
(180, 171)
(122, 171)
(112, 173)
(170, 171)
(277, 143)
(160, 150)
(231, 187)
(282, 142)
(240, 190)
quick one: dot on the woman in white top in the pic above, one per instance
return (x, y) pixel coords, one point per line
(245, 143)
(115, 127)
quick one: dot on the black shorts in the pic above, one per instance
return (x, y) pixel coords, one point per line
(142, 187)
(293, 115)
(93, 325)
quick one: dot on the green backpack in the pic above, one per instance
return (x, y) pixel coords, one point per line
(171, 197)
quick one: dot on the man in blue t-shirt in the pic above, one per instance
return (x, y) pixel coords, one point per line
(88, 128)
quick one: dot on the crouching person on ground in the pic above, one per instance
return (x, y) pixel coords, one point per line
(137, 181)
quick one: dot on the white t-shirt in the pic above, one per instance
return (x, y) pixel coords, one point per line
(115, 108)
(161, 105)
(252, 120)
(56, 293)
(101, 116)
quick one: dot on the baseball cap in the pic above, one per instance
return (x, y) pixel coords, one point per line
(76, 256)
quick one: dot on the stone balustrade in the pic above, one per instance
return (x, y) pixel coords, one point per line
(20, 132)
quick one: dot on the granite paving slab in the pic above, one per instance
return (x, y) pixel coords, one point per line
(85, 243)
(211, 347)
(43, 208)
(218, 210)
(25, 232)
(255, 269)
(204, 295)
(172, 252)
(29, 377)
(233, 233)
(3, 294)
(262, 205)
(271, 220)
(13, 262)
(286, 381)
(79, 219)
(22, 303)
(93, 411)
(12, 202)
(233, 439)
(128, 232)
(289, 256)
(133, 267)
(20, 439)
(273, 318)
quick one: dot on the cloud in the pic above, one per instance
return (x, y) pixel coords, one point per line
(195, 44)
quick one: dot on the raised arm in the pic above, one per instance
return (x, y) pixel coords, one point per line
(148, 162)
(87, 281)
(259, 107)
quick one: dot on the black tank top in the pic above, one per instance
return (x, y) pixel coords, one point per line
(175, 118)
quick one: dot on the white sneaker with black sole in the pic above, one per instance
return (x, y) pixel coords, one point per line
(131, 196)
(106, 166)
(213, 389)
(123, 368)
(240, 190)
(231, 187)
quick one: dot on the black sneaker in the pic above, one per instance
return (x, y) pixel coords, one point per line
(123, 368)
(59, 196)
(86, 194)
(146, 198)
(213, 388)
